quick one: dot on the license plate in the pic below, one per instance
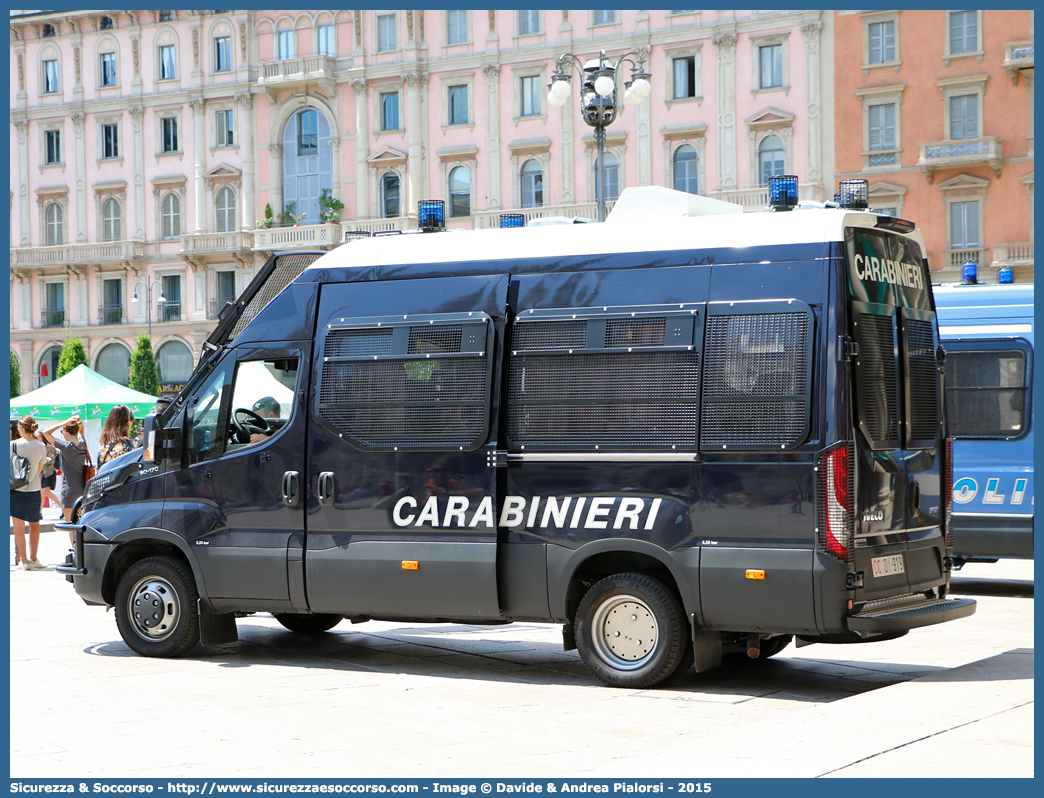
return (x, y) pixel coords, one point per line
(890, 565)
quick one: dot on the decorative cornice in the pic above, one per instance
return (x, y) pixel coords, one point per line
(360, 86)
(491, 71)
(725, 42)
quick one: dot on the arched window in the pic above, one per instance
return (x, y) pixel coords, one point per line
(174, 363)
(324, 37)
(226, 210)
(307, 162)
(285, 45)
(54, 225)
(111, 220)
(610, 177)
(114, 363)
(685, 162)
(770, 158)
(170, 211)
(532, 184)
(390, 196)
(49, 364)
(460, 191)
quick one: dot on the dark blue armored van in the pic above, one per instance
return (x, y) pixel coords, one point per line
(684, 433)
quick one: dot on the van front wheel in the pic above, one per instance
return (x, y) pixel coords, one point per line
(631, 631)
(156, 609)
(309, 624)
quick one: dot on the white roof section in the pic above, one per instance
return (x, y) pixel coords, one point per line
(648, 221)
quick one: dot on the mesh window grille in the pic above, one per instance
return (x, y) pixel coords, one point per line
(537, 335)
(878, 380)
(923, 378)
(435, 339)
(286, 269)
(755, 390)
(635, 332)
(358, 343)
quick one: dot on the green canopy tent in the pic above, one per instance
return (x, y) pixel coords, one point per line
(84, 392)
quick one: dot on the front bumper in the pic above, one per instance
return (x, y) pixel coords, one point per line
(911, 616)
(85, 565)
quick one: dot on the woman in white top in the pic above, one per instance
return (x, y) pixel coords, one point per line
(25, 501)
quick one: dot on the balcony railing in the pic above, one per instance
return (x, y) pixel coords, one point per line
(206, 243)
(1017, 55)
(400, 223)
(170, 311)
(486, 219)
(310, 236)
(110, 314)
(52, 318)
(1013, 255)
(958, 153)
(297, 71)
(955, 258)
(757, 198)
(77, 253)
(217, 305)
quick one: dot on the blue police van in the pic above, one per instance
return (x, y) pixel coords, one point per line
(987, 331)
(682, 434)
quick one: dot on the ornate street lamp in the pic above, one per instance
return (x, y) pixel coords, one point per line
(598, 104)
(148, 299)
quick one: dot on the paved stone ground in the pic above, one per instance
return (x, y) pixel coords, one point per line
(399, 700)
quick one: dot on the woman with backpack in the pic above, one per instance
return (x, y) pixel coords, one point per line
(25, 498)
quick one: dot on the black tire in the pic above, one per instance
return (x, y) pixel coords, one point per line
(631, 631)
(309, 624)
(156, 607)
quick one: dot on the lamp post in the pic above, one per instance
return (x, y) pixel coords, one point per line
(160, 300)
(598, 104)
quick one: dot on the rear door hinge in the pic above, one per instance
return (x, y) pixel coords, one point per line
(847, 349)
(854, 581)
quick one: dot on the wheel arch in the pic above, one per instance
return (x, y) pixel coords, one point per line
(133, 545)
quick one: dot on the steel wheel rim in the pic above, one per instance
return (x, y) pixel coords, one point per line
(153, 608)
(625, 632)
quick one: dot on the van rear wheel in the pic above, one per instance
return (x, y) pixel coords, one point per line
(156, 607)
(631, 631)
(309, 624)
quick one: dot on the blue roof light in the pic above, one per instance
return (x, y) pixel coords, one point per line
(512, 220)
(431, 215)
(1005, 276)
(854, 193)
(969, 274)
(783, 192)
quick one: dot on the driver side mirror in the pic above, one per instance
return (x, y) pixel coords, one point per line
(160, 443)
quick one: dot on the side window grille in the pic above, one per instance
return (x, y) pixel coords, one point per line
(922, 411)
(593, 399)
(286, 269)
(375, 392)
(877, 391)
(757, 377)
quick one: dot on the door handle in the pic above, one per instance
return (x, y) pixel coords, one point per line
(291, 488)
(327, 493)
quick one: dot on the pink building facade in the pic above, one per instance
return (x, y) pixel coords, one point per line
(149, 144)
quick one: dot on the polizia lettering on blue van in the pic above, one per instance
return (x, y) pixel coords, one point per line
(966, 489)
(560, 512)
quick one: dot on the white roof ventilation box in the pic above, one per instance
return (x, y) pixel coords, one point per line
(665, 203)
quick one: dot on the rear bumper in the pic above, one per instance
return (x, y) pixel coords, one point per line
(911, 616)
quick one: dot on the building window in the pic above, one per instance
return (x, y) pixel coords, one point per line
(54, 301)
(286, 44)
(964, 116)
(54, 225)
(114, 363)
(964, 32)
(112, 302)
(610, 177)
(110, 141)
(226, 210)
(169, 131)
(770, 58)
(532, 184)
(458, 105)
(685, 163)
(166, 16)
(456, 26)
(325, 35)
(385, 33)
(222, 54)
(964, 225)
(226, 289)
(770, 158)
(108, 69)
(890, 211)
(106, 23)
(308, 133)
(171, 309)
(881, 121)
(390, 195)
(528, 22)
(529, 95)
(881, 42)
(174, 362)
(390, 111)
(224, 126)
(111, 220)
(685, 77)
(604, 17)
(49, 31)
(52, 147)
(168, 62)
(170, 213)
(50, 76)
(460, 191)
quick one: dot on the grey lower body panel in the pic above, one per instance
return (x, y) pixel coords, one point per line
(927, 613)
(992, 536)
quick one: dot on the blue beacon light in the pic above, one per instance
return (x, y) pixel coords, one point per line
(1005, 276)
(783, 192)
(969, 274)
(431, 215)
(512, 220)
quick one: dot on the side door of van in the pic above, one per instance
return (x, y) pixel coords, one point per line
(236, 497)
(401, 482)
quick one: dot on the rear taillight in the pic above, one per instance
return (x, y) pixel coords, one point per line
(835, 501)
(947, 494)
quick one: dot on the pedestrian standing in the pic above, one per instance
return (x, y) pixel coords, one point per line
(72, 452)
(49, 472)
(115, 435)
(25, 501)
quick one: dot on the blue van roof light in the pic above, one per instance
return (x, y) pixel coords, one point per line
(1005, 276)
(512, 220)
(431, 215)
(969, 274)
(783, 192)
